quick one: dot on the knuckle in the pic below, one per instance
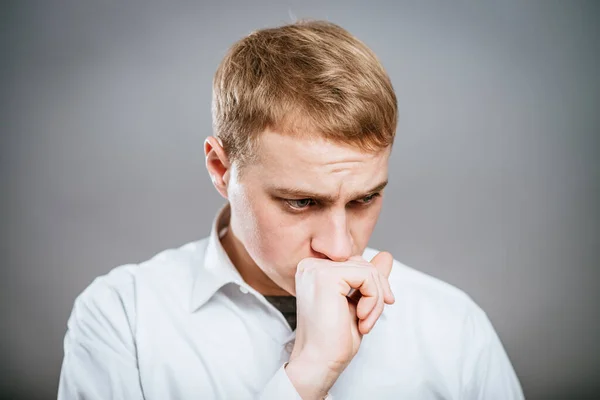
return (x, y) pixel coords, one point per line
(306, 263)
(322, 272)
(301, 267)
(305, 266)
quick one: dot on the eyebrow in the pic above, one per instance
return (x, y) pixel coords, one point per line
(321, 198)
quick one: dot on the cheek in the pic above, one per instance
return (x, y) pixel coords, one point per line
(268, 234)
(362, 226)
(269, 237)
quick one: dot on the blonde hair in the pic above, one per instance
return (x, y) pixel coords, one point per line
(309, 77)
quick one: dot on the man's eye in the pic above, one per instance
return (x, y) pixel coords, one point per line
(368, 199)
(299, 204)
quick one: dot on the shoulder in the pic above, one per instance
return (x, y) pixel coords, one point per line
(114, 296)
(168, 266)
(448, 334)
(438, 318)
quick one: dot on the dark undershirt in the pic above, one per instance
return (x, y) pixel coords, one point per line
(287, 306)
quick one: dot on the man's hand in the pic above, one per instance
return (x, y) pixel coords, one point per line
(330, 328)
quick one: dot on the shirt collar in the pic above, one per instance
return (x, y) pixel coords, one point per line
(216, 270)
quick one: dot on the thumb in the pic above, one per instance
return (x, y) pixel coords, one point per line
(383, 262)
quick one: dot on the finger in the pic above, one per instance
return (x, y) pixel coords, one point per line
(368, 323)
(360, 278)
(355, 295)
(388, 295)
(352, 310)
(357, 258)
(366, 305)
(383, 261)
(353, 317)
(364, 279)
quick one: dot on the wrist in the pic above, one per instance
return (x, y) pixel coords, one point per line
(311, 380)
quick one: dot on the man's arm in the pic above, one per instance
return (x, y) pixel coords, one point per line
(100, 360)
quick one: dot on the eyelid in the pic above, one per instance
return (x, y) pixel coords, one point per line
(298, 209)
(314, 203)
(372, 196)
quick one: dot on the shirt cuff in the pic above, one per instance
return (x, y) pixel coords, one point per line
(280, 387)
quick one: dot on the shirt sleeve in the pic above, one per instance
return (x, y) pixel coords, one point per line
(99, 351)
(280, 387)
(488, 372)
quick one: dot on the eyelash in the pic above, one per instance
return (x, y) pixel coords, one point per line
(360, 202)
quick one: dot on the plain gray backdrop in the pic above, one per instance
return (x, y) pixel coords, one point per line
(494, 181)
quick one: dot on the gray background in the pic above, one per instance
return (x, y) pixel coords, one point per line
(495, 176)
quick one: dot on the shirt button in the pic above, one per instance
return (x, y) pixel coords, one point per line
(243, 289)
(289, 346)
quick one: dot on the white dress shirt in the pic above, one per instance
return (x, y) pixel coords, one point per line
(184, 325)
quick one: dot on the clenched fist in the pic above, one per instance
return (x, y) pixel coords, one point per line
(330, 326)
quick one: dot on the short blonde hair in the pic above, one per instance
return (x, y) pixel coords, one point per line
(309, 77)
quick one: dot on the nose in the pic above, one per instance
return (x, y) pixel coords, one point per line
(332, 236)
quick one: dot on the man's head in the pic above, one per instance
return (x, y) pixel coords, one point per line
(304, 117)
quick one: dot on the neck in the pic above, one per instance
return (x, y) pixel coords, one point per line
(252, 274)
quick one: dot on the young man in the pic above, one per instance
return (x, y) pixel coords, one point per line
(304, 119)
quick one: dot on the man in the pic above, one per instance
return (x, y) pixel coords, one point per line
(304, 120)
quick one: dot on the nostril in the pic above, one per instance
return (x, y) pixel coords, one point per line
(340, 258)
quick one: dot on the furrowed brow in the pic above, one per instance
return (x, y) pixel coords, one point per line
(296, 193)
(302, 194)
(376, 189)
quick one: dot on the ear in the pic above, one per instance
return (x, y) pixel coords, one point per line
(217, 164)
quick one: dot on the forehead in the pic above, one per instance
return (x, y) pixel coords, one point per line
(312, 160)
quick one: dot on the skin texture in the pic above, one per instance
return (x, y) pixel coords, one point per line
(301, 216)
